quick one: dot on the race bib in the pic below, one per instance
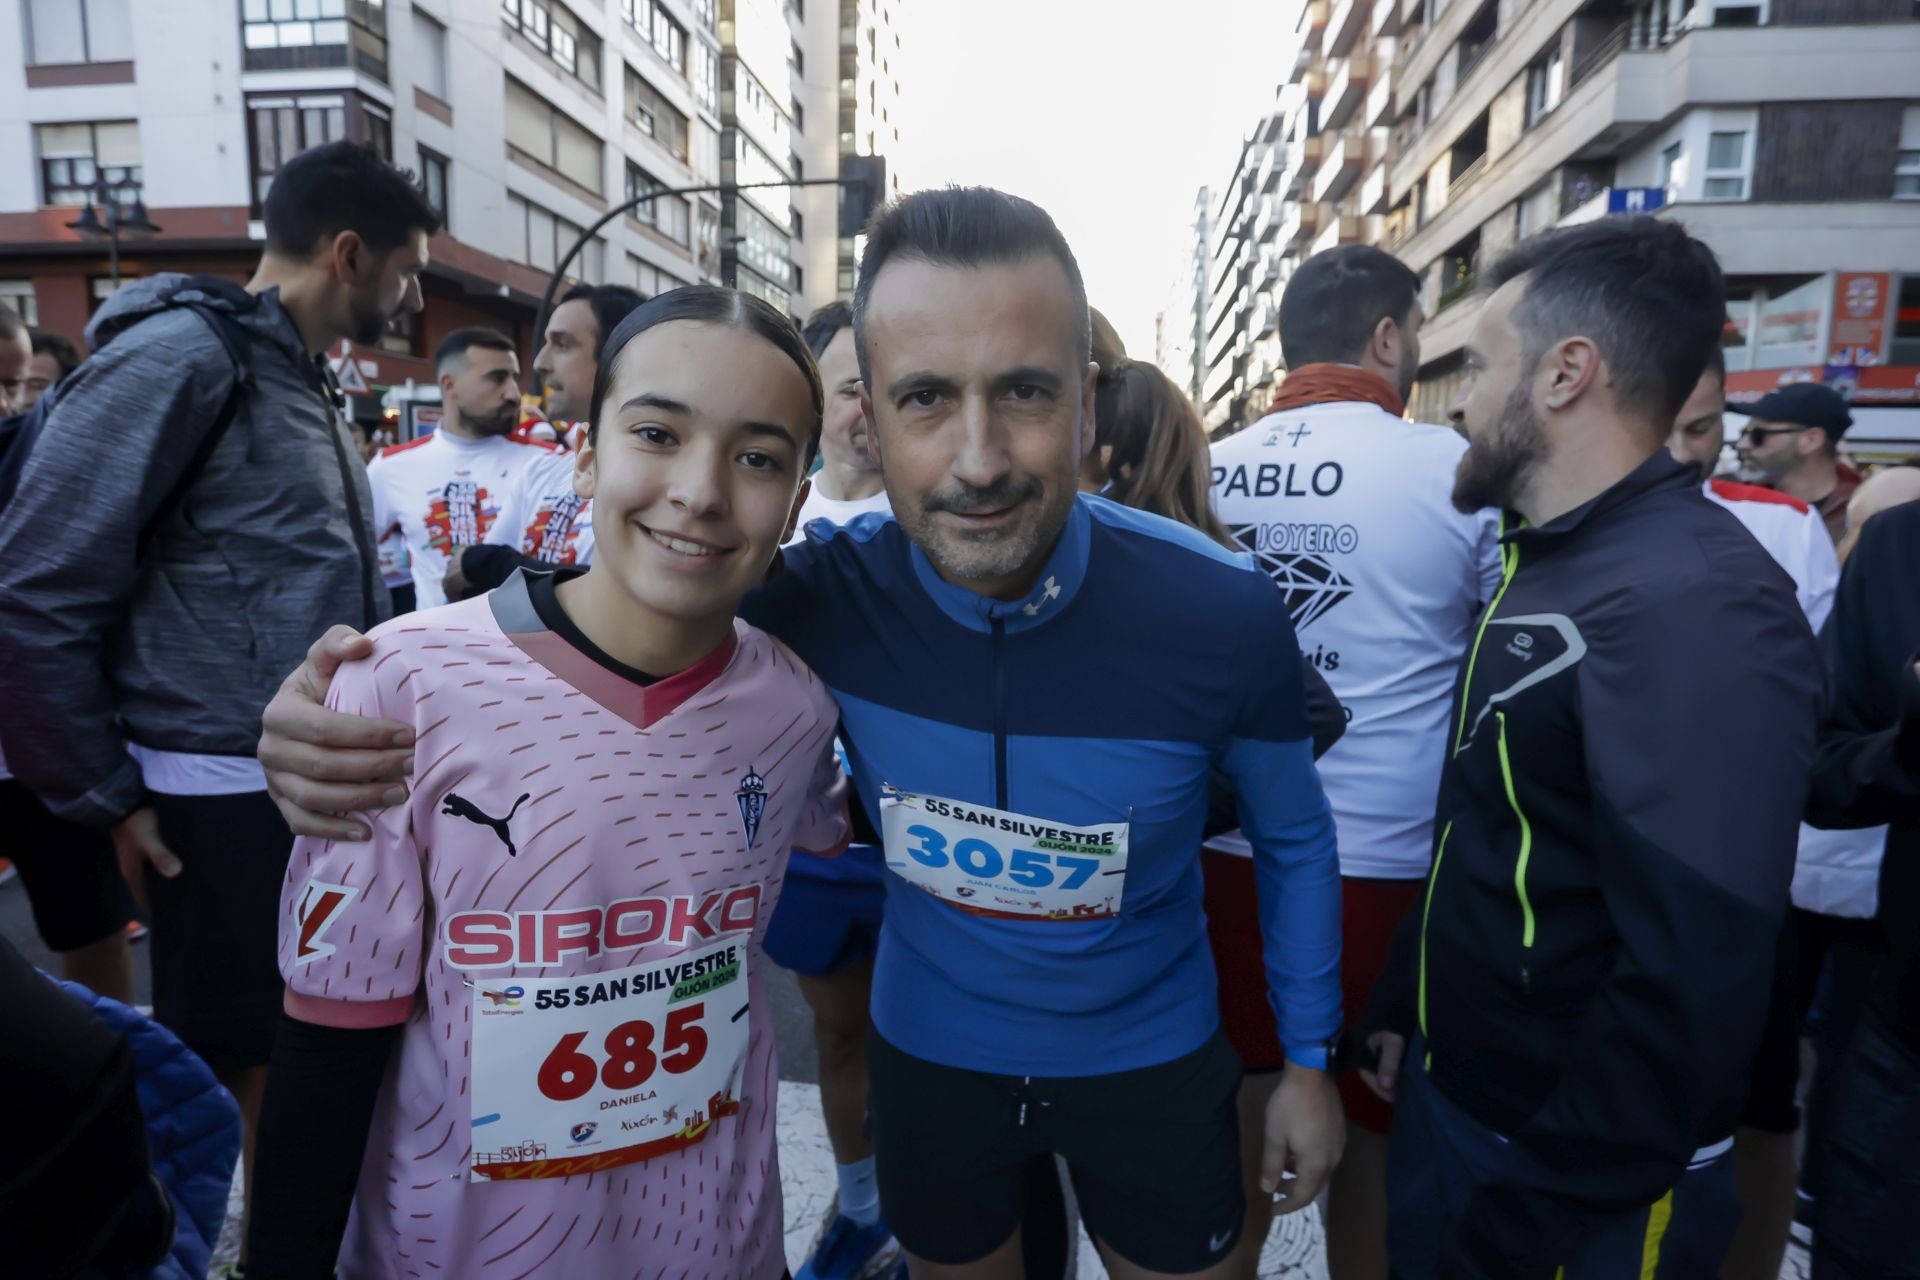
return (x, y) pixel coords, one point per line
(994, 863)
(575, 1075)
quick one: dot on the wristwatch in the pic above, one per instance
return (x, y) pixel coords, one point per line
(1330, 1055)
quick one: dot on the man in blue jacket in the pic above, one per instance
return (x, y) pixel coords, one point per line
(1035, 686)
(1585, 983)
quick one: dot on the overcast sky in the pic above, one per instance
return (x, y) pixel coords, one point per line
(1110, 115)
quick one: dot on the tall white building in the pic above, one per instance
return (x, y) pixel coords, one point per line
(527, 120)
(854, 59)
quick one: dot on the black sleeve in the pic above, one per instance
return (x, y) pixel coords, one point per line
(1326, 719)
(1868, 768)
(314, 1123)
(1325, 716)
(486, 566)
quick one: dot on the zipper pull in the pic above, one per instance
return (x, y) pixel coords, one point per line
(1526, 980)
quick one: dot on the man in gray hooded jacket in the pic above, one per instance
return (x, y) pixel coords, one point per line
(174, 545)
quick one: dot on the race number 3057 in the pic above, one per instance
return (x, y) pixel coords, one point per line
(993, 862)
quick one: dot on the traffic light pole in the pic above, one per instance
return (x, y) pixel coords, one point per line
(553, 282)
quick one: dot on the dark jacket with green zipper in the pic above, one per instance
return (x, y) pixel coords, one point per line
(1631, 742)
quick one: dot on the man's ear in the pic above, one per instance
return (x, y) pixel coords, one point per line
(1568, 370)
(1089, 388)
(348, 256)
(583, 469)
(1386, 343)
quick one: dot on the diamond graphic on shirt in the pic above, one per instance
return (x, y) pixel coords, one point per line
(752, 799)
(1309, 582)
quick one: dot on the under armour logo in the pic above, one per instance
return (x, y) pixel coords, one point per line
(1052, 591)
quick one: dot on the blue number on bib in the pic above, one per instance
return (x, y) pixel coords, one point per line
(1082, 869)
(978, 858)
(1030, 868)
(932, 849)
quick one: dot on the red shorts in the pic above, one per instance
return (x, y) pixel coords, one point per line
(1370, 912)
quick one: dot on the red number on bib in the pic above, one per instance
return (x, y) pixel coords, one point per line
(630, 1059)
(567, 1073)
(686, 1039)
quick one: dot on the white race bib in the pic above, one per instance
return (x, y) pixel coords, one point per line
(575, 1075)
(993, 863)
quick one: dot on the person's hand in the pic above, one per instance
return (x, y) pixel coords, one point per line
(1305, 1129)
(1389, 1048)
(137, 845)
(455, 583)
(323, 764)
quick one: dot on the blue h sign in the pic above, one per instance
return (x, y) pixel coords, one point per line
(1635, 199)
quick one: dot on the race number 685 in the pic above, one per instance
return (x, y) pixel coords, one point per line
(568, 1072)
(1028, 867)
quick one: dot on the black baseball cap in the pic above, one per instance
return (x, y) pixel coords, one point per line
(1803, 404)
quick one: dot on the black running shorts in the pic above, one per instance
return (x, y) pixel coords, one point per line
(216, 970)
(72, 879)
(1154, 1155)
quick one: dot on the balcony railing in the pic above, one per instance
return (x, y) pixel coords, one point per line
(1461, 288)
(1465, 178)
(1609, 48)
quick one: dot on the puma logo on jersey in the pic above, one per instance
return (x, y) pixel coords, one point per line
(454, 806)
(320, 906)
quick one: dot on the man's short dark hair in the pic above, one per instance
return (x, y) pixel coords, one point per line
(63, 352)
(1650, 296)
(1337, 298)
(456, 344)
(343, 186)
(965, 227)
(610, 304)
(825, 324)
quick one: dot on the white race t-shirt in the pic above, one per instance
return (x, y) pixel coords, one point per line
(443, 492)
(1837, 873)
(543, 517)
(1350, 510)
(819, 506)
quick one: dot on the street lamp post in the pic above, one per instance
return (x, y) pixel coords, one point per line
(130, 217)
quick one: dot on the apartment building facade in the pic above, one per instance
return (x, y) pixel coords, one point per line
(855, 64)
(1786, 133)
(1180, 334)
(526, 120)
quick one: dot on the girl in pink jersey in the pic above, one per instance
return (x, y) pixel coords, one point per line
(524, 1033)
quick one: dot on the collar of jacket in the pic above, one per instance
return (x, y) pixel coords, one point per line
(1659, 471)
(1058, 583)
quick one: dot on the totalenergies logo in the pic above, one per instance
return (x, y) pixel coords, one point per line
(509, 998)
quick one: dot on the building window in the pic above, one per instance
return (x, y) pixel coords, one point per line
(429, 56)
(538, 129)
(1726, 172)
(706, 77)
(1739, 13)
(1906, 167)
(545, 236)
(763, 247)
(669, 215)
(286, 35)
(67, 31)
(797, 60)
(1906, 322)
(655, 116)
(73, 157)
(760, 110)
(668, 38)
(704, 12)
(19, 295)
(1672, 170)
(1546, 81)
(1476, 40)
(707, 254)
(281, 126)
(433, 182)
(552, 28)
(650, 280)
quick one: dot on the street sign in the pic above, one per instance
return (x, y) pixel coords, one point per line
(347, 371)
(1635, 199)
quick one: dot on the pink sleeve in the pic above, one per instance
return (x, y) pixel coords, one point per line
(824, 827)
(352, 915)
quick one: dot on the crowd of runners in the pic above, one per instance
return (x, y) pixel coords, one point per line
(1464, 827)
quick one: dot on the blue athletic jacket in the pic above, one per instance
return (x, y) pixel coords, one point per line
(1144, 657)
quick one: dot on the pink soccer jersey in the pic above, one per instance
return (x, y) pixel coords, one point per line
(566, 915)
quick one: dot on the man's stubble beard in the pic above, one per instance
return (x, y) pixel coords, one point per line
(1494, 468)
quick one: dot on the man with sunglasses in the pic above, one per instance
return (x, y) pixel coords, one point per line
(1792, 443)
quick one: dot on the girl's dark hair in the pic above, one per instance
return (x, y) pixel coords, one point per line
(1159, 461)
(709, 304)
